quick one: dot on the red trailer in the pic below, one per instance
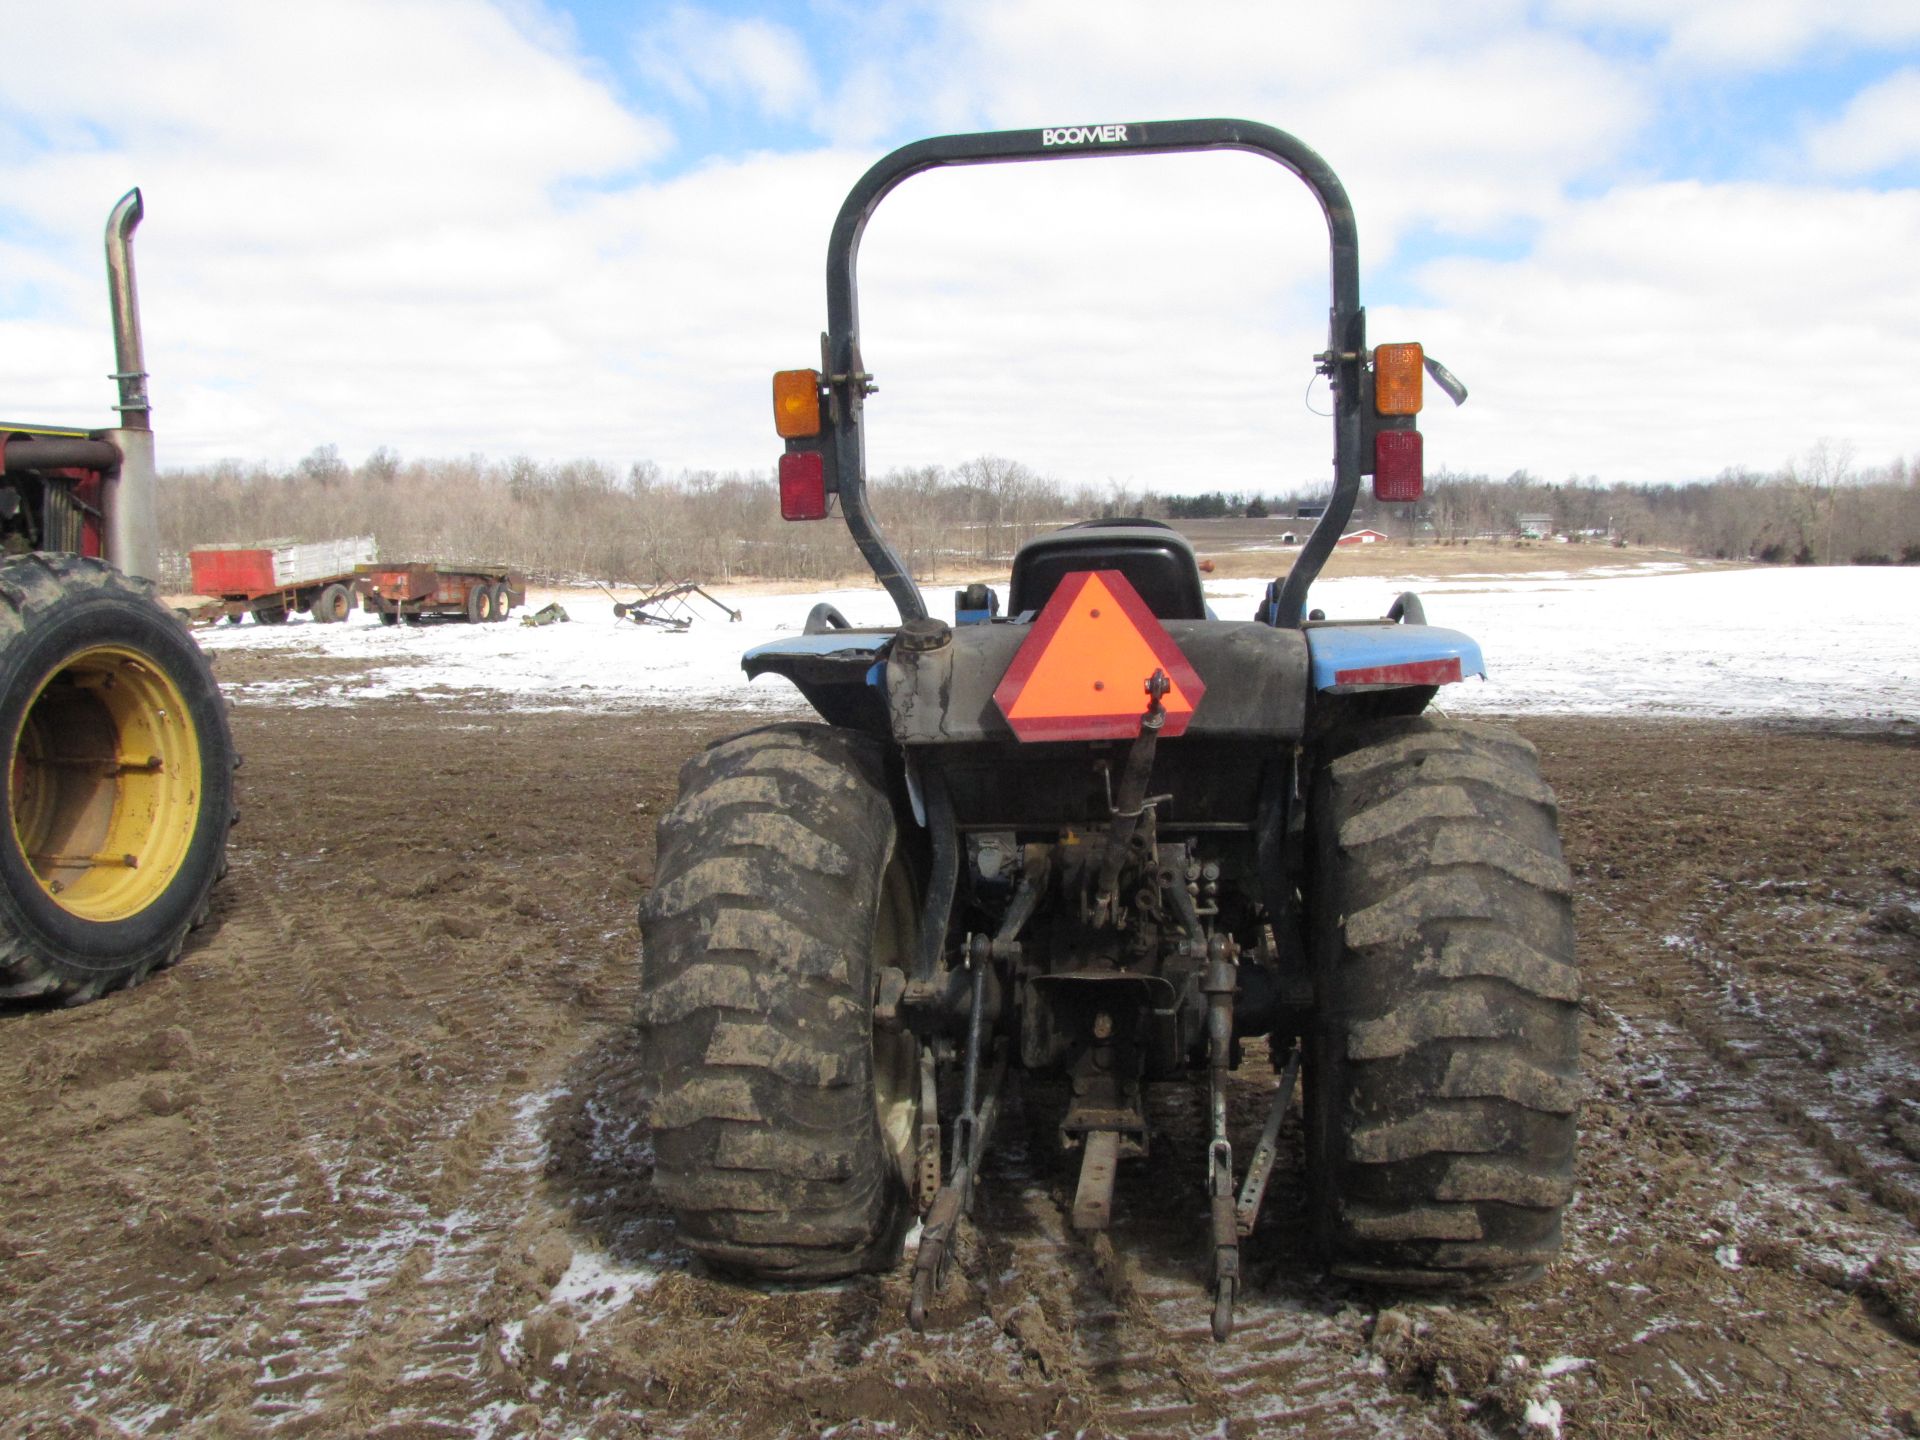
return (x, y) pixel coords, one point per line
(412, 592)
(270, 582)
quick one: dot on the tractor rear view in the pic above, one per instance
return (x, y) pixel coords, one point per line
(120, 764)
(1098, 834)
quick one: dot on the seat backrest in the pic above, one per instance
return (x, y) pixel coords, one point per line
(1157, 560)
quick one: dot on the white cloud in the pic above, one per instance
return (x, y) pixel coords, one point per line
(1458, 114)
(1879, 129)
(432, 225)
(694, 56)
(1750, 34)
(1665, 332)
(332, 192)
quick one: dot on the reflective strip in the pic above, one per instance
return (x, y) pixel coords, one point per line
(1377, 653)
(1418, 672)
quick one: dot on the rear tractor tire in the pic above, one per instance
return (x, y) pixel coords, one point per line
(783, 1123)
(121, 780)
(1443, 1064)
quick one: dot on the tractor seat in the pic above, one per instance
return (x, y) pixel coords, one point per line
(1157, 560)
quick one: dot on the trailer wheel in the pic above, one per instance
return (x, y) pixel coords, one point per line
(502, 602)
(389, 617)
(234, 617)
(275, 614)
(333, 605)
(121, 780)
(479, 605)
(784, 1124)
(1443, 1061)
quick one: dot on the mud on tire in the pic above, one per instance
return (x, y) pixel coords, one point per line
(1442, 1075)
(120, 769)
(779, 893)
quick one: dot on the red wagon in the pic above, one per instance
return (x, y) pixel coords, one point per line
(271, 582)
(416, 590)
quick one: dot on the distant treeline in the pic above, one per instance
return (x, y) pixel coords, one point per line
(583, 519)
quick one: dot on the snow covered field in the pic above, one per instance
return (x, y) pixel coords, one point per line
(1649, 640)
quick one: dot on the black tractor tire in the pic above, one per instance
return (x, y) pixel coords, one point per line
(333, 605)
(781, 891)
(1442, 1075)
(502, 602)
(275, 614)
(234, 617)
(121, 780)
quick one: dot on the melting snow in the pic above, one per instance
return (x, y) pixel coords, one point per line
(1647, 640)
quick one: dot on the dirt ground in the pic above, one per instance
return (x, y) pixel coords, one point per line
(367, 1163)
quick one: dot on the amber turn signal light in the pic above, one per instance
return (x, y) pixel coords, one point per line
(1397, 379)
(796, 403)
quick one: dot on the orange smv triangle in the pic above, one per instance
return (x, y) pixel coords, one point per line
(1082, 674)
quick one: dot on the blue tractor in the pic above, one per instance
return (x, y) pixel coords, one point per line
(1097, 834)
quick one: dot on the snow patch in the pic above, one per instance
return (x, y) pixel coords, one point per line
(1781, 643)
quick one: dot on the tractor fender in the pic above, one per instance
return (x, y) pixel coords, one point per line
(1350, 657)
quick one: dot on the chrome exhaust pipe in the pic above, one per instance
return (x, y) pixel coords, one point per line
(128, 355)
(132, 528)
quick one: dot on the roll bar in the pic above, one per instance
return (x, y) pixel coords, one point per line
(848, 384)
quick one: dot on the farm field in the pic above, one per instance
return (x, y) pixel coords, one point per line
(368, 1162)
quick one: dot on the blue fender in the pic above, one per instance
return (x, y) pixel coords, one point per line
(1379, 655)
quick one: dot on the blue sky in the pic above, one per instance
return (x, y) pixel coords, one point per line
(1650, 234)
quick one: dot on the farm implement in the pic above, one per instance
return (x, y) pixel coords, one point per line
(669, 605)
(1100, 836)
(326, 579)
(416, 591)
(271, 582)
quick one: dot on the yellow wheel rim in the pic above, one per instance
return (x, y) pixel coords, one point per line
(105, 783)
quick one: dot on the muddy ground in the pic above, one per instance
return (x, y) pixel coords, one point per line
(366, 1162)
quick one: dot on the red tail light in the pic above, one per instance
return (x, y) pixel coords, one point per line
(1398, 467)
(803, 486)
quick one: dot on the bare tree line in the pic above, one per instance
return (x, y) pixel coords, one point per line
(1819, 509)
(586, 520)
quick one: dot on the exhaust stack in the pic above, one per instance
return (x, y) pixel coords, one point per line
(132, 530)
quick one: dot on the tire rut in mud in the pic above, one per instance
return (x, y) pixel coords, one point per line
(372, 1084)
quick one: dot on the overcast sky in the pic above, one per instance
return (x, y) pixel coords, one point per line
(1656, 238)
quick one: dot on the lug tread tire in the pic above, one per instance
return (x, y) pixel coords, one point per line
(333, 605)
(42, 590)
(755, 1021)
(1444, 1080)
